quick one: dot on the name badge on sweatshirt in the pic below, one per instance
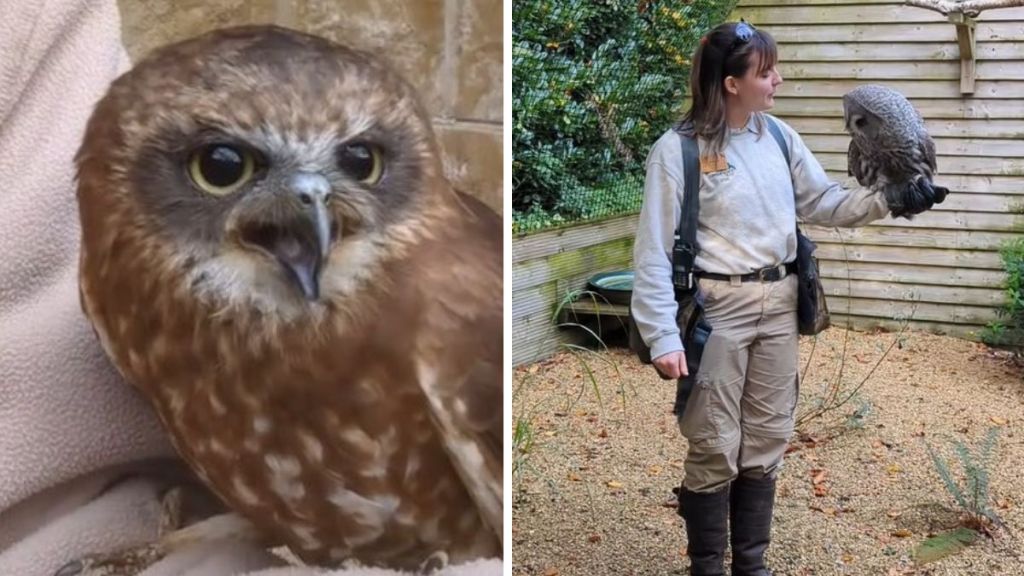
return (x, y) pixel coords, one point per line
(712, 164)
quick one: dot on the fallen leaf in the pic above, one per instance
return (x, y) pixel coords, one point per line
(820, 490)
(551, 572)
(998, 421)
(594, 538)
(946, 544)
(614, 484)
(894, 513)
(654, 470)
(903, 533)
(574, 477)
(1004, 503)
(534, 369)
(603, 433)
(818, 478)
(893, 469)
(847, 558)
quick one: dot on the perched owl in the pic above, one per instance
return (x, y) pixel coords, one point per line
(890, 149)
(273, 256)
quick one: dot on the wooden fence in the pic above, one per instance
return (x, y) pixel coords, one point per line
(941, 270)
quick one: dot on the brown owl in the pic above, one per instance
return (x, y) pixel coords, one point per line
(273, 256)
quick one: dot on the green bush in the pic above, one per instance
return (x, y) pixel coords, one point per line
(594, 83)
(1010, 329)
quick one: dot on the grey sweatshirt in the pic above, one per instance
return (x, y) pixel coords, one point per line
(746, 221)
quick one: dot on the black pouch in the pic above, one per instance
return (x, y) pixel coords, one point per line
(694, 329)
(812, 311)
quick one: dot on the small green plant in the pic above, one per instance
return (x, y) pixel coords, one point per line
(857, 419)
(1009, 329)
(522, 443)
(974, 493)
(563, 319)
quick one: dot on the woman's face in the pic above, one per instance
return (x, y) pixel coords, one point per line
(755, 90)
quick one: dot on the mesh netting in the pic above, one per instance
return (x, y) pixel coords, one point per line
(595, 82)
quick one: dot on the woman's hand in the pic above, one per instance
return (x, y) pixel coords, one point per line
(672, 365)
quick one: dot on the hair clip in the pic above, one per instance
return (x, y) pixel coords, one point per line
(744, 30)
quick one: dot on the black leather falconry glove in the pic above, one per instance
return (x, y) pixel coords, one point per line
(914, 197)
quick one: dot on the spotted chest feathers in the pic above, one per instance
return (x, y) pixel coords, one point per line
(322, 438)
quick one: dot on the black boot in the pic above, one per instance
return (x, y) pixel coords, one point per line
(751, 523)
(707, 533)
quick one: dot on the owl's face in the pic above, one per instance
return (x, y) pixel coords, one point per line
(861, 123)
(276, 163)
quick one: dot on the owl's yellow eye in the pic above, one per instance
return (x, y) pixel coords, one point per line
(221, 169)
(362, 162)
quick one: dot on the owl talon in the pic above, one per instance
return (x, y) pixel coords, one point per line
(128, 563)
(434, 563)
(73, 568)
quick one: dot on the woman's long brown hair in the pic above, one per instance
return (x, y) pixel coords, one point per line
(722, 54)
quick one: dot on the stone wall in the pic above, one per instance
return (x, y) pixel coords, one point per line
(450, 49)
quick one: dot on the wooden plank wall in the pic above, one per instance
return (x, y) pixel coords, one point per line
(546, 266)
(942, 269)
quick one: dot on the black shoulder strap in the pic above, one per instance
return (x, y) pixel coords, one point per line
(685, 247)
(777, 134)
(691, 189)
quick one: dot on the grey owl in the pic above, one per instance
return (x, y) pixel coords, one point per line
(890, 149)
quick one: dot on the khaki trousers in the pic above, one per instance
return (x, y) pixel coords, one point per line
(740, 413)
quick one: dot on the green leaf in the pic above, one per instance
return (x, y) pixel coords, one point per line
(942, 545)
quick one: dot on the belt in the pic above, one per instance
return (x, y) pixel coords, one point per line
(773, 274)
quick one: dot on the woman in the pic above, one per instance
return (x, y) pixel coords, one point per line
(739, 416)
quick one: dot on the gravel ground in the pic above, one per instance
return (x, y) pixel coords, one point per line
(592, 495)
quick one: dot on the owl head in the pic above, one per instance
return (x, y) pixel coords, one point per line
(860, 121)
(257, 164)
(880, 115)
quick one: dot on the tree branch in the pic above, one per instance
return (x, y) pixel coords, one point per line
(968, 7)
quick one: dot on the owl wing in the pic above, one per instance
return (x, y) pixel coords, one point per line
(928, 152)
(460, 366)
(855, 165)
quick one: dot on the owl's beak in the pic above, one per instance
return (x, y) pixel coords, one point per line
(306, 263)
(298, 236)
